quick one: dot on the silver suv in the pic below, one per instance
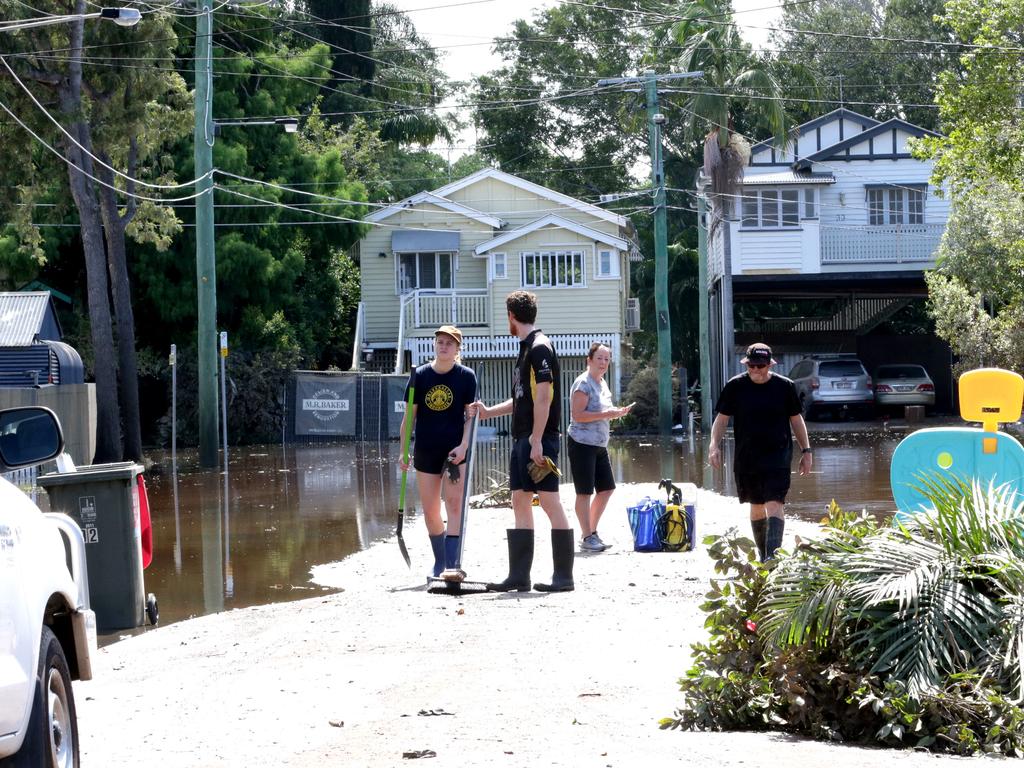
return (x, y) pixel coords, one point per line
(836, 383)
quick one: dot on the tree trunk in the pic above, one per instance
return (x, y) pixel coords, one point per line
(128, 379)
(108, 428)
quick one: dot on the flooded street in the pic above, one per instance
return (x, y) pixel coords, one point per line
(293, 507)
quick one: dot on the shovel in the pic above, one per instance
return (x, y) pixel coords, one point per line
(405, 460)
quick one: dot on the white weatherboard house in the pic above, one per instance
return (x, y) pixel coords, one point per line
(452, 255)
(845, 213)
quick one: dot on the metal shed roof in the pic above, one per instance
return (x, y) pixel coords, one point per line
(27, 317)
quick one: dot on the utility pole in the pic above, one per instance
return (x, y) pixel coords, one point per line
(702, 294)
(654, 122)
(206, 261)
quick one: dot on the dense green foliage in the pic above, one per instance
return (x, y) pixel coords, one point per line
(904, 636)
(977, 294)
(287, 287)
(870, 60)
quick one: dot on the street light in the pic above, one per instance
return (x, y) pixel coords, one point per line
(289, 124)
(123, 17)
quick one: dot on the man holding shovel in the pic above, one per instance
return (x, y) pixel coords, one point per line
(535, 406)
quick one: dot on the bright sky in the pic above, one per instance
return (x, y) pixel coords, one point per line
(466, 29)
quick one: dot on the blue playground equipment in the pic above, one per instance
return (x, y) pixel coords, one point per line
(987, 395)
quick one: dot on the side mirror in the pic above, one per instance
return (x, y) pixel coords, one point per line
(29, 436)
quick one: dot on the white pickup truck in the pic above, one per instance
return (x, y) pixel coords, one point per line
(47, 632)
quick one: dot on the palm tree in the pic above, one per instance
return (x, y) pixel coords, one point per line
(915, 604)
(734, 78)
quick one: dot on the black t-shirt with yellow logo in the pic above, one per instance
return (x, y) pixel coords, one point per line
(442, 399)
(537, 364)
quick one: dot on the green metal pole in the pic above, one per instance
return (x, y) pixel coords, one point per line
(206, 261)
(660, 259)
(702, 297)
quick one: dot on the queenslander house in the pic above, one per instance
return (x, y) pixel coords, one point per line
(842, 224)
(452, 255)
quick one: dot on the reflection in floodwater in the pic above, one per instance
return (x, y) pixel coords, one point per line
(251, 535)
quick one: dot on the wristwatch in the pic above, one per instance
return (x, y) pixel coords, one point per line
(806, 450)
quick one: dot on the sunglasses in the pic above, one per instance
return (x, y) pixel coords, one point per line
(758, 366)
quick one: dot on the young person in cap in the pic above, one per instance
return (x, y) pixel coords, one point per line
(591, 406)
(535, 405)
(765, 412)
(445, 392)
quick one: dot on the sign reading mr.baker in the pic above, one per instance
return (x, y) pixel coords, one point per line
(325, 406)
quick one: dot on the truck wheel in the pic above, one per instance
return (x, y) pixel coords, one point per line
(52, 737)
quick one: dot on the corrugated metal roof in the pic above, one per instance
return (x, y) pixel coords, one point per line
(21, 317)
(789, 177)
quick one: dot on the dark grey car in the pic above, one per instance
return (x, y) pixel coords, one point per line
(836, 384)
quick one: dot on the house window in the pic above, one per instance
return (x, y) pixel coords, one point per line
(552, 269)
(773, 208)
(607, 264)
(895, 205)
(499, 266)
(810, 209)
(425, 271)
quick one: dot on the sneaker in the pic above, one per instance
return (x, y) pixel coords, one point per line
(597, 538)
(591, 544)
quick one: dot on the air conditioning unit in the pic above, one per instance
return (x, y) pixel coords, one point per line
(632, 315)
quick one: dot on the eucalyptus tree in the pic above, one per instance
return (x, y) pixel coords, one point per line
(540, 115)
(882, 59)
(104, 100)
(979, 158)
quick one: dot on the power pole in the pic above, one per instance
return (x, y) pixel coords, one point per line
(206, 261)
(655, 120)
(703, 314)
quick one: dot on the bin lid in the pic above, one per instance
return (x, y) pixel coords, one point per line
(93, 473)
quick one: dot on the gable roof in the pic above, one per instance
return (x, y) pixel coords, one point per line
(536, 189)
(441, 202)
(26, 317)
(894, 124)
(842, 113)
(557, 221)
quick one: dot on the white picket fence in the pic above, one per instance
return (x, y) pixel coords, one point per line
(497, 347)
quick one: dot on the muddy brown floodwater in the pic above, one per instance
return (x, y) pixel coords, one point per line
(251, 536)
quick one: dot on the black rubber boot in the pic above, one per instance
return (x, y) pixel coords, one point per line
(760, 529)
(437, 544)
(520, 561)
(773, 537)
(562, 555)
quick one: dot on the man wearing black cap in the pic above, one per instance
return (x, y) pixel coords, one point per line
(766, 413)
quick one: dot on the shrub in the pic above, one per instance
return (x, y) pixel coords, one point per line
(908, 636)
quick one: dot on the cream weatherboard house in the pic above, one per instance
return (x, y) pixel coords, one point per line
(451, 255)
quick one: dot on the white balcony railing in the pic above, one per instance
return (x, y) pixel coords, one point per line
(429, 309)
(891, 244)
(507, 347)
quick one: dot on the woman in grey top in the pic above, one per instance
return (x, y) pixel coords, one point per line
(591, 407)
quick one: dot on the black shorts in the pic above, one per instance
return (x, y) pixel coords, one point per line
(591, 468)
(519, 463)
(430, 458)
(766, 485)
